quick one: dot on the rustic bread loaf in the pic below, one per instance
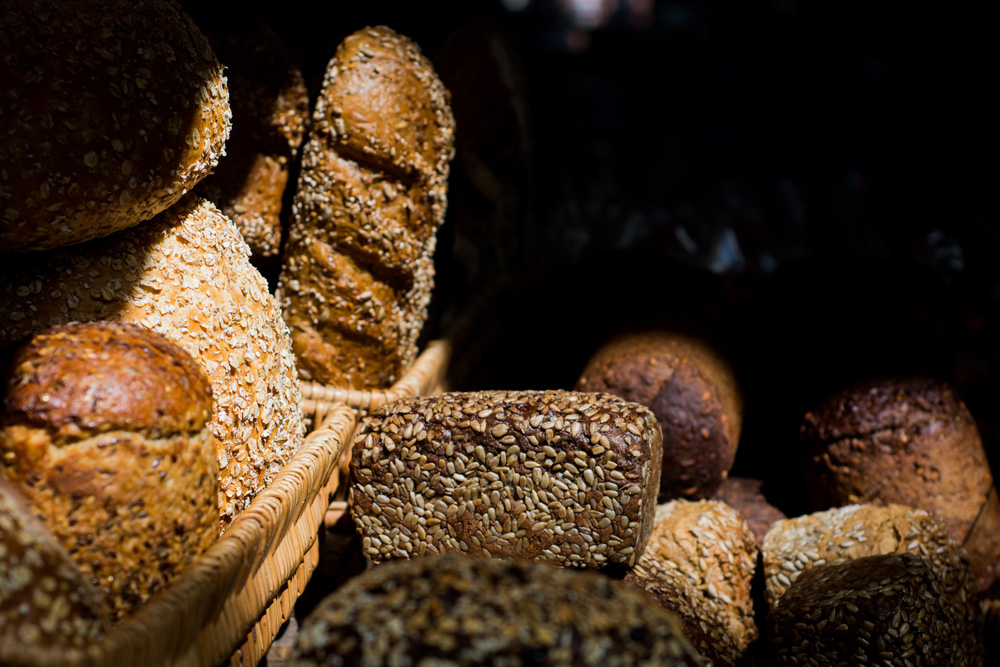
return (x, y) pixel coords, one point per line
(184, 274)
(913, 442)
(104, 430)
(693, 393)
(270, 107)
(706, 550)
(745, 496)
(45, 600)
(470, 611)
(358, 269)
(113, 110)
(888, 609)
(564, 477)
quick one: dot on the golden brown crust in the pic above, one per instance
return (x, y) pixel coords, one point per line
(358, 270)
(115, 110)
(44, 597)
(694, 395)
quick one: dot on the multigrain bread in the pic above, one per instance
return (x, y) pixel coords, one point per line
(913, 442)
(112, 111)
(450, 610)
(104, 430)
(699, 563)
(45, 599)
(358, 270)
(745, 495)
(270, 108)
(186, 275)
(693, 393)
(564, 477)
(888, 609)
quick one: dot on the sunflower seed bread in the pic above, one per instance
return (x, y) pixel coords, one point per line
(185, 274)
(358, 271)
(564, 477)
(104, 431)
(452, 610)
(112, 110)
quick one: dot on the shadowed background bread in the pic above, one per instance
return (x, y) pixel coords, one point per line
(913, 442)
(45, 599)
(694, 395)
(469, 611)
(358, 271)
(104, 430)
(745, 496)
(112, 111)
(186, 275)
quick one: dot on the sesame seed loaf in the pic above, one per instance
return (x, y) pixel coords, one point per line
(115, 109)
(104, 431)
(888, 609)
(451, 610)
(186, 275)
(564, 477)
(913, 442)
(358, 271)
(44, 597)
(745, 496)
(270, 107)
(707, 550)
(693, 393)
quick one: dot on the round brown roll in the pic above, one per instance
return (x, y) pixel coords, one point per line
(908, 441)
(45, 600)
(745, 496)
(115, 109)
(104, 430)
(694, 395)
(468, 611)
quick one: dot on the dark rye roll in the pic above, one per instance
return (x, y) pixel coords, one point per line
(450, 610)
(693, 393)
(913, 442)
(745, 496)
(564, 477)
(889, 609)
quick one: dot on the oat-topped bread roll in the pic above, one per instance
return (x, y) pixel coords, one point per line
(270, 112)
(913, 442)
(876, 610)
(186, 275)
(112, 111)
(451, 610)
(693, 393)
(745, 495)
(706, 551)
(45, 600)
(358, 269)
(565, 477)
(104, 430)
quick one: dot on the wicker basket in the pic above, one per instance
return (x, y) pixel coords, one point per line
(228, 605)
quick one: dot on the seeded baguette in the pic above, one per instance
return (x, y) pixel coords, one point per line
(564, 477)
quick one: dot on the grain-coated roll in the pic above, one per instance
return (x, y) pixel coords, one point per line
(693, 393)
(45, 599)
(112, 111)
(913, 442)
(104, 430)
(358, 268)
(186, 275)
(699, 563)
(564, 477)
(889, 609)
(745, 496)
(450, 610)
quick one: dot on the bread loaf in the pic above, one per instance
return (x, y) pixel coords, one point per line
(745, 496)
(45, 600)
(186, 275)
(451, 610)
(358, 269)
(693, 393)
(104, 430)
(565, 477)
(706, 552)
(112, 111)
(913, 442)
